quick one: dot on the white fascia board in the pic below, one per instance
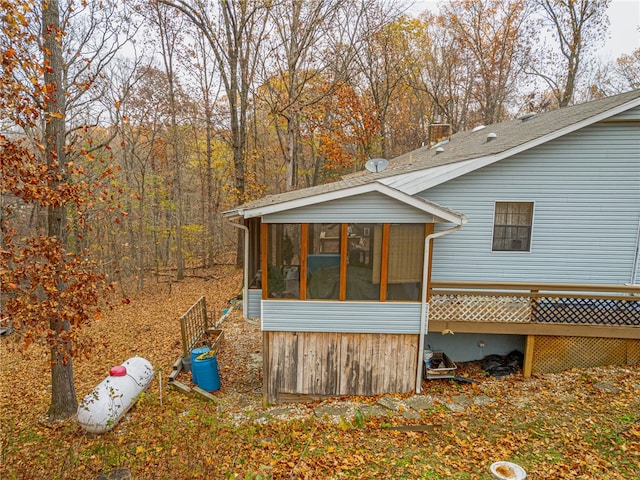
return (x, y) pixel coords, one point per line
(419, 203)
(419, 181)
(422, 204)
(232, 215)
(416, 182)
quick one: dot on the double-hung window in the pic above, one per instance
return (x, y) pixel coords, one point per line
(512, 227)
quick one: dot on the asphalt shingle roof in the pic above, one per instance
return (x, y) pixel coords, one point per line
(468, 145)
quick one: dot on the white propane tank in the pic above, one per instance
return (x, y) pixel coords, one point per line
(101, 409)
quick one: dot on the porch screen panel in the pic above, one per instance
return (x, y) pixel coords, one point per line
(283, 261)
(406, 259)
(406, 253)
(361, 253)
(323, 261)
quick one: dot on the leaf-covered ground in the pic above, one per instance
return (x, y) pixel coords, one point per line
(578, 424)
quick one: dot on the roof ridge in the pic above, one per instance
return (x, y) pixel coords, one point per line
(469, 145)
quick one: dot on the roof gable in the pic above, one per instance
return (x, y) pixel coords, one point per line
(439, 213)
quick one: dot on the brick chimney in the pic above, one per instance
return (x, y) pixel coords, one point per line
(438, 132)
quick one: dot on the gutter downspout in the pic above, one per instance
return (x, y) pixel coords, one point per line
(424, 319)
(245, 267)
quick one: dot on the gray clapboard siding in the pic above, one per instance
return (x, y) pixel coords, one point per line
(336, 316)
(366, 208)
(333, 364)
(586, 189)
(632, 114)
(253, 303)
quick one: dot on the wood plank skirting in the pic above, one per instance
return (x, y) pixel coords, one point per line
(334, 364)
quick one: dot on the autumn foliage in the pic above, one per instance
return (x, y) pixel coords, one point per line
(579, 424)
(32, 275)
(349, 135)
(41, 279)
(50, 288)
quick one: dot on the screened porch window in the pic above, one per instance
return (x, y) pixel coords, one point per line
(363, 248)
(405, 262)
(323, 261)
(283, 261)
(512, 226)
(343, 261)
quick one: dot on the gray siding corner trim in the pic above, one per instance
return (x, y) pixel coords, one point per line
(341, 317)
(253, 305)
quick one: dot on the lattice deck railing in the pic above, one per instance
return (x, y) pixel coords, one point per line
(535, 303)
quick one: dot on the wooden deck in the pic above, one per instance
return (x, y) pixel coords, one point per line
(599, 320)
(566, 326)
(606, 311)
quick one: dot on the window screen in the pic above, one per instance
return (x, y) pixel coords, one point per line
(512, 226)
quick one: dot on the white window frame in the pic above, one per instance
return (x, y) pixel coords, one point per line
(493, 225)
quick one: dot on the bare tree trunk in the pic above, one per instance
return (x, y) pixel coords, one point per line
(208, 201)
(235, 38)
(578, 25)
(305, 31)
(168, 40)
(214, 189)
(293, 138)
(140, 256)
(210, 207)
(63, 394)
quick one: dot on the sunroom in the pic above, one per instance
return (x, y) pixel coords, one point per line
(339, 280)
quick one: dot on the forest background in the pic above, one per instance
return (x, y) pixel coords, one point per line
(127, 127)
(199, 106)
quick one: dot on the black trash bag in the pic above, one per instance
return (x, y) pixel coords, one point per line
(501, 366)
(515, 359)
(492, 361)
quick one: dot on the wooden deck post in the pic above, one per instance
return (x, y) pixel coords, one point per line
(528, 356)
(264, 256)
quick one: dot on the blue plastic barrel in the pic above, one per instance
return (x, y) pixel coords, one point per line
(194, 353)
(206, 372)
